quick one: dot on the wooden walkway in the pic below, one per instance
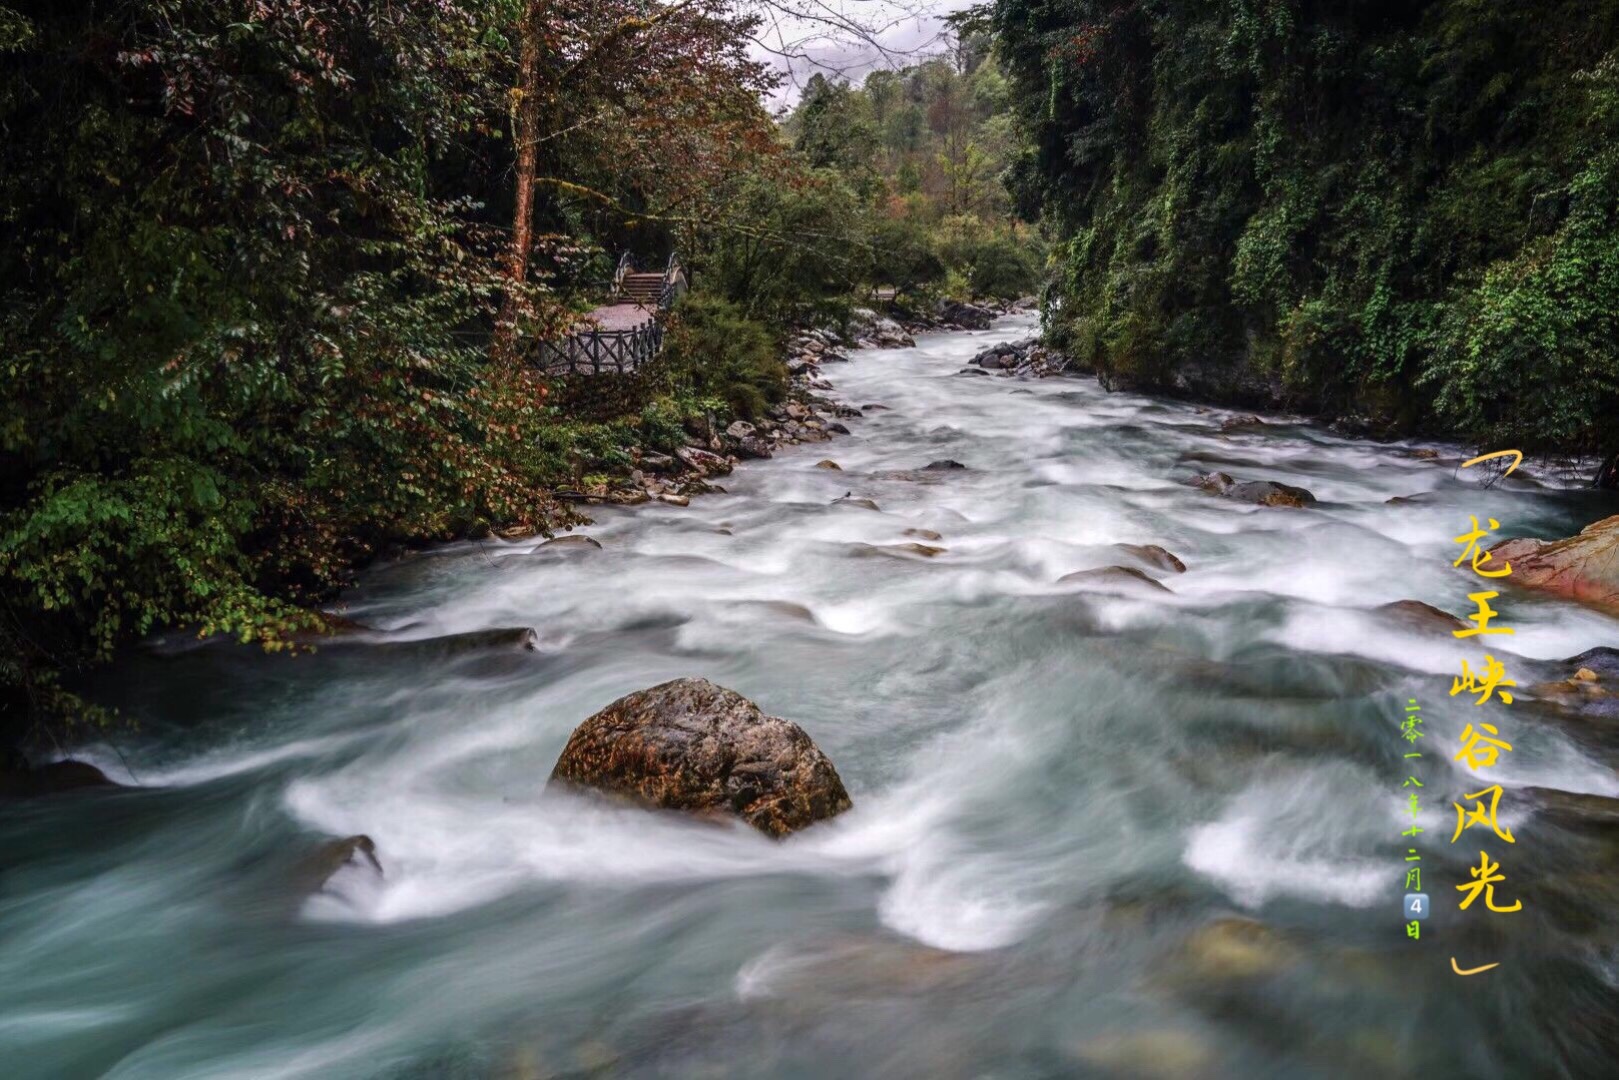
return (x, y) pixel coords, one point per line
(622, 316)
(624, 333)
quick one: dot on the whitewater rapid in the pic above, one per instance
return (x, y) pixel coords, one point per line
(1056, 788)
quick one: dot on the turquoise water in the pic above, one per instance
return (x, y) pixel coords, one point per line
(1136, 833)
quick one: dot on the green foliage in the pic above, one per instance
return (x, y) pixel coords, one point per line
(924, 152)
(1545, 323)
(905, 257)
(998, 263)
(1357, 204)
(791, 250)
(241, 315)
(715, 353)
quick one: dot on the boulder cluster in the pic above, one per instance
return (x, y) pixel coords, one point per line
(1025, 359)
(869, 330)
(1259, 492)
(711, 452)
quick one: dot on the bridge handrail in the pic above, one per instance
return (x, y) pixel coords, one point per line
(626, 265)
(674, 282)
(593, 350)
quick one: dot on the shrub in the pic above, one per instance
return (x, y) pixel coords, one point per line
(713, 351)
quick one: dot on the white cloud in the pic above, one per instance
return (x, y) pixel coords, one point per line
(847, 37)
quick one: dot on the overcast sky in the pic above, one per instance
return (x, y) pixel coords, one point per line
(873, 33)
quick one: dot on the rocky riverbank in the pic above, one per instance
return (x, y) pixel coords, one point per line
(806, 416)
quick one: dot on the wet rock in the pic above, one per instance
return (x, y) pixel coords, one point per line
(850, 500)
(494, 639)
(997, 357)
(572, 540)
(943, 464)
(312, 872)
(1240, 423)
(753, 447)
(871, 330)
(1231, 947)
(693, 746)
(1154, 556)
(21, 780)
(740, 429)
(1416, 615)
(1582, 693)
(1126, 576)
(1420, 453)
(838, 428)
(1259, 492)
(839, 968)
(674, 500)
(704, 462)
(1592, 813)
(785, 608)
(501, 637)
(1025, 359)
(875, 408)
(655, 462)
(1602, 662)
(1583, 567)
(966, 316)
(923, 534)
(926, 551)
(828, 463)
(1166, 1053)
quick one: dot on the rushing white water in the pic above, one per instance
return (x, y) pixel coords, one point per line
(1060, 791)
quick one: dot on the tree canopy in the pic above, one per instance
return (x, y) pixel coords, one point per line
(1396, 210)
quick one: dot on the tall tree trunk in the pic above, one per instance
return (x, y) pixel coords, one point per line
(527, 134)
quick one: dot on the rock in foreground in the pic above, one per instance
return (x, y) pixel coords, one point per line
(1112, 577)
(1416, 615)
(20, 780)
(691, 745)
(1583, 567)
(1154, 556)
(1260, 492)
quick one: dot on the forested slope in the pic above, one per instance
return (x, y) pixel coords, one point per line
(1400, 210)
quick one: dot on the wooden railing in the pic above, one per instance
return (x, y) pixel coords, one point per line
(596, 352)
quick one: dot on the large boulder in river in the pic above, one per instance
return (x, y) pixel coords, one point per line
(1260, 492)
(1583, 567)
(966, 316)
(20, 780)
(691, 745)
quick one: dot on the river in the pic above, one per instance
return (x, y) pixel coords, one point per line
(1095, 833)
